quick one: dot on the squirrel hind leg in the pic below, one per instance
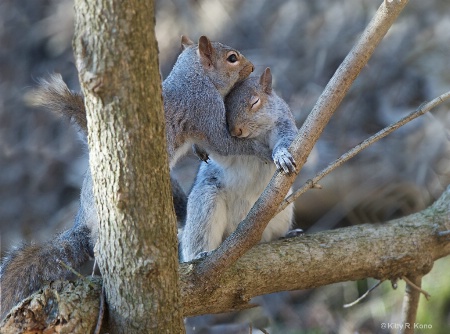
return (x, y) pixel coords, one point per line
(206, 220)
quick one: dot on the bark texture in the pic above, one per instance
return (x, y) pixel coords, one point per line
(405, 247)
(116, 54)
(62, 307)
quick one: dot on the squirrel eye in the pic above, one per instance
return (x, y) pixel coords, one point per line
(232, 58)
(254, 101)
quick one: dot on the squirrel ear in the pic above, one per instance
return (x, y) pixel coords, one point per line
(185, 42)
(266, 81)
(206, 50)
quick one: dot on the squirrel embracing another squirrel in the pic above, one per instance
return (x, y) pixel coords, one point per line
(227, 186)
(195, 114)
(193, 95)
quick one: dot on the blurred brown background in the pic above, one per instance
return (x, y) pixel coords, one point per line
(42, 161)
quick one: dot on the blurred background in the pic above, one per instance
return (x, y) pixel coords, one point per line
(42, 161)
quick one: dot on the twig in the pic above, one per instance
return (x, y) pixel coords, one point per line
(394, 283)
(101, 312)
(249, 231)
(94, 266)
(263, 330)
(311, 183)
(363, 296)
(76, 273)
(418, 288)
(410, 304)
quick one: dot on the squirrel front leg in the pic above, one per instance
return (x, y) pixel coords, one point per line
(223, 143)
(281, 139)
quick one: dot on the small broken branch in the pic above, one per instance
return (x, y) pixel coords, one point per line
(364, 295)
(311, 183)
(417, 287)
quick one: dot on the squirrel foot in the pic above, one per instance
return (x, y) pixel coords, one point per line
(284, 161)
(294, 233)
(200, 153)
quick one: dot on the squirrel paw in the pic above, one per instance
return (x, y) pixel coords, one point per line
(294, 233)
(200, 153)
(284, 161)
(202, 255)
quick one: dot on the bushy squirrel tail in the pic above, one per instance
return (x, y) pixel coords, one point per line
(29, 267)
(54, 95)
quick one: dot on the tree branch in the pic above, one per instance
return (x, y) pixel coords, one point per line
(312, 183)
(410, 303)
(249, 232)
(57, 309)
(406, 247)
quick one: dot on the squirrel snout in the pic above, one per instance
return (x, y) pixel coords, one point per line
(246, 70)
(236, 132)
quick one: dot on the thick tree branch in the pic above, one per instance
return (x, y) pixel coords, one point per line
(405, 247)
(62, 307)
(311, 183)
(249, 232)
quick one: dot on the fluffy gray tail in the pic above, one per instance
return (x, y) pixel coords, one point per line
(29, 267)
(54, 95)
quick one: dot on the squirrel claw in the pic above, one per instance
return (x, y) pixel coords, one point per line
(294, 233)
(200, 153)
(284, 161)
(203, 255)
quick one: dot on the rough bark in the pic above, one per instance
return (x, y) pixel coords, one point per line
(57, 309)
(405, 247)
(116, 54)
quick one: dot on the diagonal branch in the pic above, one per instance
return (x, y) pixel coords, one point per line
(249, 232)
(311, 183)
(405, 247)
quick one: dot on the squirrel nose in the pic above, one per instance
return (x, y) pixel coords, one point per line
(236, 132)
(253, 68)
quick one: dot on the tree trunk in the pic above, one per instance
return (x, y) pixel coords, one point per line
(116, 52)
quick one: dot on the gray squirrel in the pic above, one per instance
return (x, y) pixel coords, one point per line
(195, 114)
(194, 106)
(227, 186)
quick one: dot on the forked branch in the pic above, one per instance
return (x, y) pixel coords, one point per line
(250, 230)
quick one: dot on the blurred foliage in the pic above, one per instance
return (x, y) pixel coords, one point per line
(42, 162)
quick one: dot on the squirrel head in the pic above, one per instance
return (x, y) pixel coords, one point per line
(223, 65)
(248, 108)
